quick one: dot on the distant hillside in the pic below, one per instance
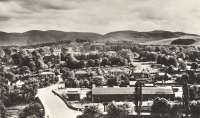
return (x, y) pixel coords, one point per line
(34, 37)
(37, 37)
(183, 40)
(141, 37)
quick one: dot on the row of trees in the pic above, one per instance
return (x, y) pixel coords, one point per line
(89, 79)
(97, 81)
(167, 60)
(161, 108)
(105, 61)
(113, 110)
(110, 80)
(34, 60)
(164, 59)
(121, 81)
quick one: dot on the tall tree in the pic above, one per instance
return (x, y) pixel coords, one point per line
(117, 111)
(138, 97)
(194, 66)
(172, 61)
(92, 112)
(112, 81)
(186, 96)
(2, 110)
(33, 110)
(160, 107)
(195, 108)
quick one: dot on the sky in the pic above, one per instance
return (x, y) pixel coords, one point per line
(100, 16)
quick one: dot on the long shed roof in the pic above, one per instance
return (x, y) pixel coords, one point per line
(131, 90)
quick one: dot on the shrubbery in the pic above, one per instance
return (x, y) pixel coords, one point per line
(91, 112)
(34, 109)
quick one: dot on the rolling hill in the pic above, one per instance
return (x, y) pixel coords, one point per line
(183, 40)
(141, 37)
(35, 37)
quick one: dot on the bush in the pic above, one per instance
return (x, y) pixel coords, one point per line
(117, 111)
(175, 111)
(2, 110)
(160, 106)
(34, 109)
(112, 82)
(91, 112)
(183, 42)
(195, 108)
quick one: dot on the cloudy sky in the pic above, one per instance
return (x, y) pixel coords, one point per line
(100, 16)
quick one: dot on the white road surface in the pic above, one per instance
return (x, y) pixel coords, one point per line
(53, 105)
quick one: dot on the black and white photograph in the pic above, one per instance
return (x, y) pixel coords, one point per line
(99, 58)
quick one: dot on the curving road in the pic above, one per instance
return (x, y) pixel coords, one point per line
(53, 105)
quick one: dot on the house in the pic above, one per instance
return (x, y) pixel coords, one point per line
(168, 83)
(73, 94)
(57, 51)
(47, 75)
(127, 93)
(146, 83)
(19, 84)
(157, 66)
(111, 53)
(178, 91)
(116, 71)
(163, 76)
(132, 83)
(81, 74)
(139, 75)
(97, 46)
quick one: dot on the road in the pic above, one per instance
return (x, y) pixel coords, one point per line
(53, 105)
